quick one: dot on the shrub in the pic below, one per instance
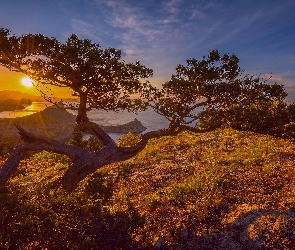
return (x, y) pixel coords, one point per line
(91, 144)
(7, 143)
(128, 140)
(77, 138)
(46, 219)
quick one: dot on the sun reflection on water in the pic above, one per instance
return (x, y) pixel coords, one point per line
(33, 108)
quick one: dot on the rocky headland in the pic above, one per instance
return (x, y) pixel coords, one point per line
(134, 126)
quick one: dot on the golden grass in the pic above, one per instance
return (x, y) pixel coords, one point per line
(196, 183)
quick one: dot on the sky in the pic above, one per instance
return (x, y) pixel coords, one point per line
(164, 33)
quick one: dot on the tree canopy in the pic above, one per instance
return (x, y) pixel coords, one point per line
(214, 92)
(97, 76)
(196, 85)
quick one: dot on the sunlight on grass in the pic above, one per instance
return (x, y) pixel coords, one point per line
(191, 178)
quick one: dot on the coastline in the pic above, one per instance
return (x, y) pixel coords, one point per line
(58, 124)
(28, 110)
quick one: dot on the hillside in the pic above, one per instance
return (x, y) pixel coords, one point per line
(10, 104)
(51, 122)
(16, 95)
(220, 190)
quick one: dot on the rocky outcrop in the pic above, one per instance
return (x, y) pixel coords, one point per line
(134, 126)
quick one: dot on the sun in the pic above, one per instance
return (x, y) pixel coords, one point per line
(27, 82)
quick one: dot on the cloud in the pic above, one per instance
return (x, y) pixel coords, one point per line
(173, 6)
(84, 29)
(170, 31)
(144, 36)
(157, 32)
(162, 34)
(287, 79)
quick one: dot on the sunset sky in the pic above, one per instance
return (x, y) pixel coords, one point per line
(161, 34)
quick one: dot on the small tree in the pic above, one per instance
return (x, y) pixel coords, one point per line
(77, 138)
(194, 87)
(213, 92)
(92, 144)
(128, 139)
(257, 107)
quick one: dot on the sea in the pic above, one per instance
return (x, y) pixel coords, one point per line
(149, 118)
(31, 109)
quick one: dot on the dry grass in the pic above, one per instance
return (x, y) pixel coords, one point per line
(220, 190)
(194, 186)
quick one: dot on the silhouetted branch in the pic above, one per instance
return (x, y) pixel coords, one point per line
(95, 130)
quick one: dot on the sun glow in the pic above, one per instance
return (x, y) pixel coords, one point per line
(27, 82)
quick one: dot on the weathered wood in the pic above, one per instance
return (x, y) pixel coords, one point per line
(110, 153)
(36, 143)
(95, 130)
(83, 163)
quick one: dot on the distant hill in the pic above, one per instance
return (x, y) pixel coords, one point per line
(16, 95)
(56, 123)
(10, 104)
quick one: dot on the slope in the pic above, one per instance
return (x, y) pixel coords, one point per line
(220, 190)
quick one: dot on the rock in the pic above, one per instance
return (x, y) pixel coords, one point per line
(159, 243)
(134, 126)
(258, 229)
(184, 233)
(273, 231)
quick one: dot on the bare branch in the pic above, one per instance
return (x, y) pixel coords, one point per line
(48, 144)
(37, 143)
(95, 130)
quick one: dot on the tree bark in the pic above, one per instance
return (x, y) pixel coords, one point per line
(83, 163)
(36, 143)
(82, 115)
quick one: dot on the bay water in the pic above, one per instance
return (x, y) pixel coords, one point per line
(149, 118)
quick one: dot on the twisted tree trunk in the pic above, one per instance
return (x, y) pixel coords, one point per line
(83, 163)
